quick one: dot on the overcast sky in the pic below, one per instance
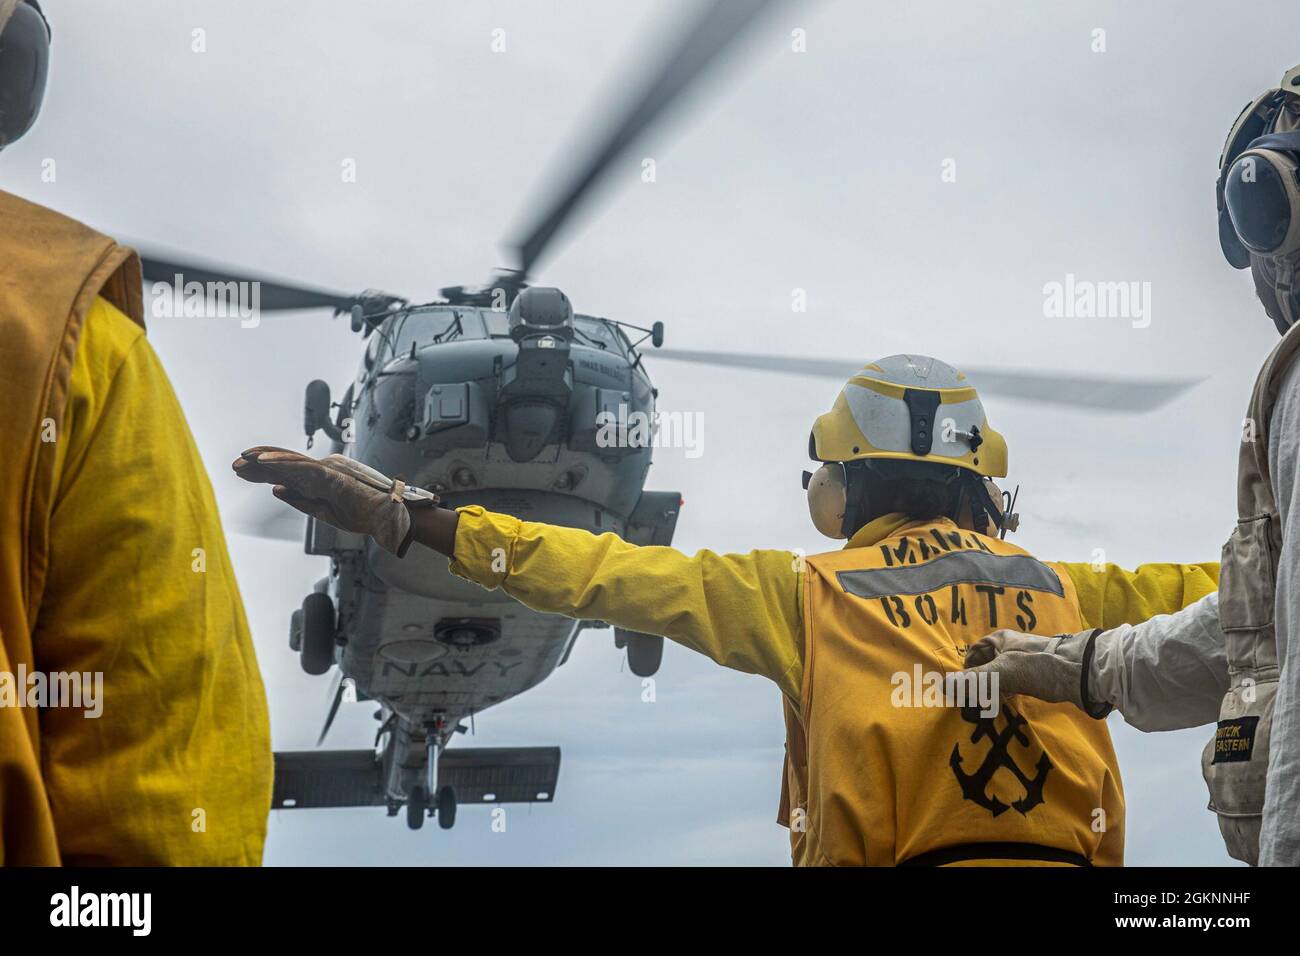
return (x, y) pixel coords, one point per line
(819, 171)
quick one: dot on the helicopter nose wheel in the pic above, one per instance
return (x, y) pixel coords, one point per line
(317, 635)
(417, 808)
(644, 651)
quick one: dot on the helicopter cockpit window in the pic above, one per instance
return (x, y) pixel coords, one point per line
(433, 327)
(372, 350)
(498, 323)
(591, 332)
(597, 334)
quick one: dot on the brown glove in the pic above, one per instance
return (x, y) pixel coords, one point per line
(339, 491)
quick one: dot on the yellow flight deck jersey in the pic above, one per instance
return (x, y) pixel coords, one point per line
(177, 769)
(133, 725)
(876, 771)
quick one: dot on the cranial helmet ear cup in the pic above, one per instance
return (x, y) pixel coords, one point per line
(1262, 196)
(24, 63)
(828, 499)
(1255, 121)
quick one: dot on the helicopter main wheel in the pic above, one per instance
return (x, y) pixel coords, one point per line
(644, 653)
(446, 808)
(317, 638)
(417, 808)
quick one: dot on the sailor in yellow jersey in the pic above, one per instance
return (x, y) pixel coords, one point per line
(114, 577)
(124, 574)
(891, 757)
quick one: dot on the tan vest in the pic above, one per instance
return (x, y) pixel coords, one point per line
(1235, 761)
(54, 268)
(889, 764)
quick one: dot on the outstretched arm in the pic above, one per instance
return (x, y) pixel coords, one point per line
(436, 528)
(1163, 665)
(1153, 649)
(1110, 595)
(741, 610)
(1167, 673)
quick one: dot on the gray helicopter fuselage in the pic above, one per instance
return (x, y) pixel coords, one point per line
(448, 401)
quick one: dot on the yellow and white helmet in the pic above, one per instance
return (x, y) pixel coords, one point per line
(904, 408)
(910, 408)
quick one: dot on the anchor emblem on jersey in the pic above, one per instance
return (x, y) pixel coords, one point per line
(974, 786)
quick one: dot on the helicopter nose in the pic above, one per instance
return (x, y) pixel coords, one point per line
(529, 426)
(534, 394)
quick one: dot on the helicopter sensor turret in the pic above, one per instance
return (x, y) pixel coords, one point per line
(541, 311)
(536, 387)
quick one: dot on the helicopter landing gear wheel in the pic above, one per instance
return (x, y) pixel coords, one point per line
(295, 630)
(644, 653)
(417, 808)
(446, 808)
(317, 633)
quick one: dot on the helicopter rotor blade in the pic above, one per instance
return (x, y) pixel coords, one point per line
(1094, 392)
(263, 516)
(274, 294)
(336, 695)
(718, 25)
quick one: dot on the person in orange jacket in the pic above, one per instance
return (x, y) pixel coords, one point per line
(133, 721)
(892, 756)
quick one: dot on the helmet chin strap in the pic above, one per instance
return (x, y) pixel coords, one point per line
(1284, 283)
(856, 506)
(973, 491)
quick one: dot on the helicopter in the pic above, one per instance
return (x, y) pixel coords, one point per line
(500, 395)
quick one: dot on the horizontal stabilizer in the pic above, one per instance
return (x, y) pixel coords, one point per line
(352, 778)
(327, 778)
(500, 774)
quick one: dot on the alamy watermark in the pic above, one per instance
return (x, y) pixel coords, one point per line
(208, 300)
(133, 911)
(922, 688)
(1085, 299)
(638, 429)
(81, 690)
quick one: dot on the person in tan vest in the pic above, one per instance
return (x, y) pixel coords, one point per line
(133, 722)
(891, 758)
(1233, 658)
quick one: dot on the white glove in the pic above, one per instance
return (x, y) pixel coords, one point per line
(1055, 669)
